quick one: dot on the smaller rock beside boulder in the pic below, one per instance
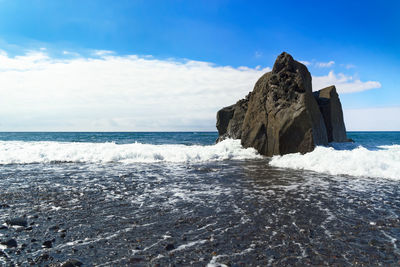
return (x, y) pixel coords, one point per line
(230, 120)
(331, 110)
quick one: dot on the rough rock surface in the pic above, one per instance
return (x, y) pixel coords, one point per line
(230, 120)
(282, 114)
(331, 109)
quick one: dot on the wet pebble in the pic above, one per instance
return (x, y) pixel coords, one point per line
(18, 221)
(135, 260)
(47, 244)
(72, 263)
(2, 254)
(11, 243)
(170, 246)
(54, 228)
(42, 258)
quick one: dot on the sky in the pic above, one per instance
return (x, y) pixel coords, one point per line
(148, 65)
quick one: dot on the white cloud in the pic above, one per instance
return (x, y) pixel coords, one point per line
(69, 53)
(343, 83)
(107, 92)
(307, 63)
(325, 64)
(101, 53)
(28, 62)
(372, 119)
(111, 93)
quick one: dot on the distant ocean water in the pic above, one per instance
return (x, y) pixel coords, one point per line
(179, 198)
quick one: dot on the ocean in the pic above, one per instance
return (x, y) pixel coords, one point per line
(179, 199)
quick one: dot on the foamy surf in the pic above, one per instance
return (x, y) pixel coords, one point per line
(17, 152)
(384, 162)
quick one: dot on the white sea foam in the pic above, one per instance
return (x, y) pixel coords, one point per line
(383, 162)
(43, 152)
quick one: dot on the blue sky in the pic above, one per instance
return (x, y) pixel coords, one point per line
(357, 42)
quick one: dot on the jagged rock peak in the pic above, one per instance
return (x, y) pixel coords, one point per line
(283, 61)
(281, 115)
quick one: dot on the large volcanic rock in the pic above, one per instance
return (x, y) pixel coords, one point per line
(282, 115)
(331, 109)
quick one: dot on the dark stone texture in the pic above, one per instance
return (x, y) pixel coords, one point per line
(47, 244)
(283, 116)
(331, 109)
(11, 243)
(54, 228)
(136, 260)
(72, 263)
(20, 221)
(230, 120)
(42, 258)
(169, 247)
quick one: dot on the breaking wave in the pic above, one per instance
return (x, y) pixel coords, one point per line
(384, 161)
(17, 152)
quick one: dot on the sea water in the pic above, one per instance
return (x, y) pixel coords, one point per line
(112, 199)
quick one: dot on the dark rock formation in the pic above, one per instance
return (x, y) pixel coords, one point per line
(282, 115)
(230, 120)
(331, 109)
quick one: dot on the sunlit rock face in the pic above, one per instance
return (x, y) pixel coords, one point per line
(331, 109)
(282, 115)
